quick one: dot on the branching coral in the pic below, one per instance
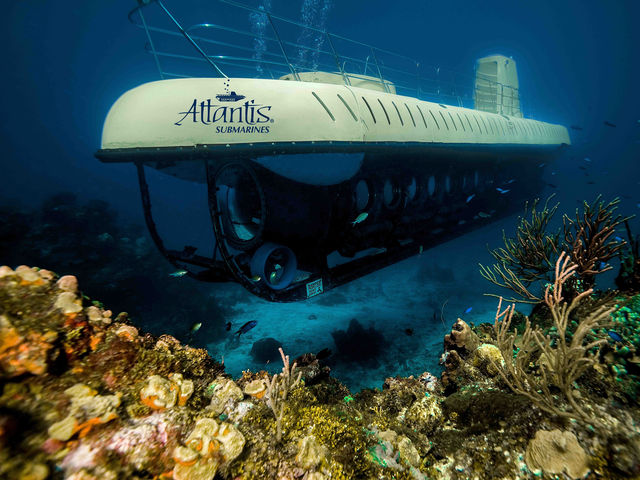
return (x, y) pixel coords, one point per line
(278, 390)
(561, 361)
(529, 257)
(589, 241)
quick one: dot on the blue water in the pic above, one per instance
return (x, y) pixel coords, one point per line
(577, 62)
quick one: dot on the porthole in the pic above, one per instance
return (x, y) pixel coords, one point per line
(240, 198)
(431, 185)
(362, 196)
(412, 188)
(391, 193)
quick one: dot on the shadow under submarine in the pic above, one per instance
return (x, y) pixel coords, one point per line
(317, 178)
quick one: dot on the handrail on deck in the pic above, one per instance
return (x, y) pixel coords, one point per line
(428, 88)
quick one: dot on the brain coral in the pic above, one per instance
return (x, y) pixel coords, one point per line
(556, 452)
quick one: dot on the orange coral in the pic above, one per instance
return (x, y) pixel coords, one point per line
(85, 428)
(20, 355)
(95, 341)
(151, 401)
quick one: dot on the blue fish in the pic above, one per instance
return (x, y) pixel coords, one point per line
(502, 190)
(470, 197)
(618, 239)
(616, 337)
(468, 310)
(246, 327)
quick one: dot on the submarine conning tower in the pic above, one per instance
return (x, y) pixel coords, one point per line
(496, 86)
(331, 167)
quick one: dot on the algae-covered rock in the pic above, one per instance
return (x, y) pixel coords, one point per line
(225, 392)
(424, 415)
(310, 452)
(488, 359)
(64, 429)
(408, 451)
(557, 452)
(461, 338)
(68, 303)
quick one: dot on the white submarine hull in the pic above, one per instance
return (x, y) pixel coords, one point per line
(288, 126)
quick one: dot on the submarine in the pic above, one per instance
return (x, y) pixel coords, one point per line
(326, 160)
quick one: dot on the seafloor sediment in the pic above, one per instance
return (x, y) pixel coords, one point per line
(86, 395)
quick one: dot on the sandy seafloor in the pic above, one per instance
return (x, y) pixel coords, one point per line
(401, 296)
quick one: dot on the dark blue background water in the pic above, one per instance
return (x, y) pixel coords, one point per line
(66, 63)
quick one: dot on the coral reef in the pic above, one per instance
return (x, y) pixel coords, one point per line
(86, 239)
(87, 395)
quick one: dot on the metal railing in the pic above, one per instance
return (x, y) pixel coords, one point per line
(273, 47)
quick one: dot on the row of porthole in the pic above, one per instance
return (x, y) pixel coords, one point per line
(392, 191)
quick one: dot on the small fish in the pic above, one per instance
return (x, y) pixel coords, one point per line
(360, 218)
(462, 222)
(420, 250)
(582, 168)
(256, 278)
(468, 310)
(587, 159)
(470, 197)
(274, 273)
(408, 331)
(591, 182)
(312, 317)
(195, 327)
(324, 353)
(552, 185)
(575, 127)
(553, 173)
(502, 191)
(541, 165)
(484, 215)
(638, 205)
(618, 239)
(510, 181)
(227, 327)
(178, 273)
(616, 337)
(609, 124)
(246, 327)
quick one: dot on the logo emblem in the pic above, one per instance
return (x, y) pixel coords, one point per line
(229, 97)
